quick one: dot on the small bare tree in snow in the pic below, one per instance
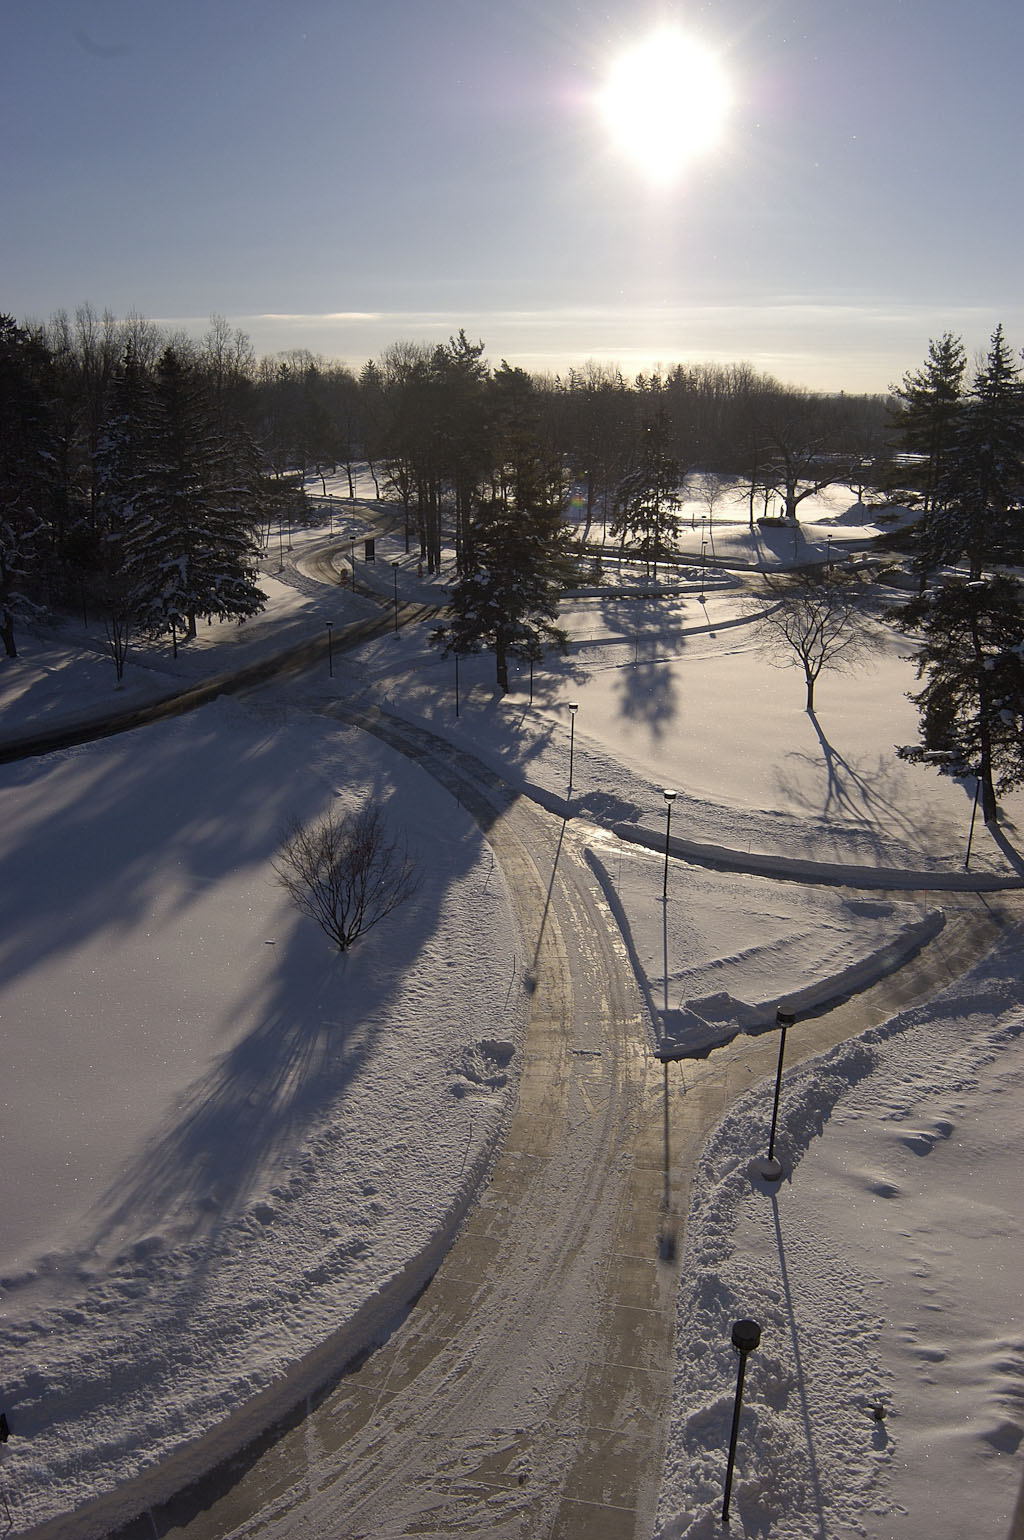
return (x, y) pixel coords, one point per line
(343, 871)
(814, 620)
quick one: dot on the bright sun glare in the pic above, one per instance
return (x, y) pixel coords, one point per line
(665, 102)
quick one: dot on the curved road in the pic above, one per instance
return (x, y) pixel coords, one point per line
(526, 1393)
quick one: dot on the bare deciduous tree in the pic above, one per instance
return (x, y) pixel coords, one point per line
(343, 871)
(118, 629)
(814, 620)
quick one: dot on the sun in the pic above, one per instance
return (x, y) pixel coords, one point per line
(665, 101)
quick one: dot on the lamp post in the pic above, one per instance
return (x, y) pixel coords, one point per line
(456, 684)
(394, 573)
(974, 814)
(703, 567)
(574, 706)
(746, 1337)
(670, 797)
(330, 648)
(771, 1169)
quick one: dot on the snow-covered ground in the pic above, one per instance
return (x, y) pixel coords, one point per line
(260, 1141)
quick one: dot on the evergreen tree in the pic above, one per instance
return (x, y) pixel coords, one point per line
(522, 563)
(928, 409)
(648, 497)
(120, 468)
(972, 656)
(27, 462)
(977, 510)
(190, 546)
(121, 454)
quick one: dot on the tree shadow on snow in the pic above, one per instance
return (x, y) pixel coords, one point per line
(855, 794)
(183, 803)
(645, 683)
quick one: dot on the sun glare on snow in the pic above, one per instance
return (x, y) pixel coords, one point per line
(665, 102)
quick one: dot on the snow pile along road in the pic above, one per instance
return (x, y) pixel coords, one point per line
(884, 1271)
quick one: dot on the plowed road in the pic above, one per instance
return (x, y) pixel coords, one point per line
(526, 1393)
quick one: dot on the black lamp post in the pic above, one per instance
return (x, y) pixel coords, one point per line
(670, 797)
(456, 684)
(703, 567)
(746, 1336)
(974, 814)
(330, 648)
(574, 706)
(394, 571)
(771, 1169)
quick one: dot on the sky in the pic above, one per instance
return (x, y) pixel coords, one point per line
(339, 176)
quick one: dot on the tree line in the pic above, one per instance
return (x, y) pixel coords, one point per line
(138, 468)
(139, 471)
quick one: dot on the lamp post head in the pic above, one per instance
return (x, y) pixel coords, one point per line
(574, 705)
(746, 1336)
(669, 795)
(784, 1017)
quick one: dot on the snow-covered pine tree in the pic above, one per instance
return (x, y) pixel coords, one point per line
(971, 656)
(648, 498)
(190, 542)
(978, 502)
(927, 409)
(121, 455)
(120, 467)
(523, 562)
(27, 460)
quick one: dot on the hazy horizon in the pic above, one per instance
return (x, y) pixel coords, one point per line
(817, 192)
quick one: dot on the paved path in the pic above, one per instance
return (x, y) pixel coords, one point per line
(526, 1394)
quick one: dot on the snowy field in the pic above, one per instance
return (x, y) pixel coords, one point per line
(273, 1138)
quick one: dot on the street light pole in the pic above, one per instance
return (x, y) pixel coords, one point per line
(974, 814)
(330, 648)
(394, 571)
(771, 1169)
(746, 1336)
(574, 706)
(670, 797)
